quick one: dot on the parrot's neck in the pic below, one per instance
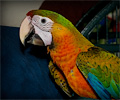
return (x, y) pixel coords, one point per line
(67, 44)
(65, 53)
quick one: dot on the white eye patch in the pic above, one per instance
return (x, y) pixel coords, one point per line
(43, 23)
(43, 26)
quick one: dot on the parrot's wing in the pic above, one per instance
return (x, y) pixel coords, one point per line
(60, 79)
(101, 69)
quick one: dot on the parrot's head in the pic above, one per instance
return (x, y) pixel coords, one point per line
(43, 28)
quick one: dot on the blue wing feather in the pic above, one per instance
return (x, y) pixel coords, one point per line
(98, 87)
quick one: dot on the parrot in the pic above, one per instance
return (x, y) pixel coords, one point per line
(77, 65)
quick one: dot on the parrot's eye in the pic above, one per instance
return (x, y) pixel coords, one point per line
(43, 21)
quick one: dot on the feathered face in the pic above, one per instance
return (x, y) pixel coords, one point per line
(36, 30)
(41, 27)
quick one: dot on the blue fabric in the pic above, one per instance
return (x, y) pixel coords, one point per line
(24, 71)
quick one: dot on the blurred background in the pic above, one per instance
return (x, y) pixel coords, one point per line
(14, 11)
(24, 71)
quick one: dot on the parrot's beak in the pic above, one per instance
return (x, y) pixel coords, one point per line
(27, 33)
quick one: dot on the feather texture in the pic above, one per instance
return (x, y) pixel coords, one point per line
(101, 69)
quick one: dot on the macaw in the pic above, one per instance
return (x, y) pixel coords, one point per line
(76, 63)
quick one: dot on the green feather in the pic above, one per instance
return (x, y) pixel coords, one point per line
(95, 72)
(104, 66)
(113, 84)
(116, 77)
(57, 18)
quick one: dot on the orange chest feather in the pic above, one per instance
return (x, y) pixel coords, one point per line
(65, 57)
